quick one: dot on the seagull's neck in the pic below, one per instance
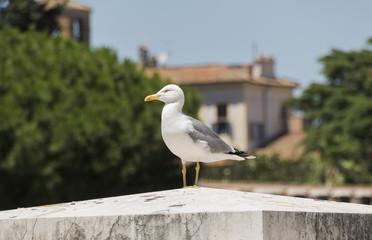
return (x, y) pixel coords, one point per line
(171, 110)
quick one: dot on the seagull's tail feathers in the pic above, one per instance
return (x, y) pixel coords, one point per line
(242, 154)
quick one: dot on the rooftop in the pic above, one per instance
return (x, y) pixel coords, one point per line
(69, 4)
(288, 147)
(207, 74)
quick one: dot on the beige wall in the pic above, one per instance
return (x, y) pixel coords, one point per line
(276, 121)
(238, 118)
(253, 96)
(265, 106)
(246, 103)
(232, 95)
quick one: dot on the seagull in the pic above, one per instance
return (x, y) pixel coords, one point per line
(188, 138)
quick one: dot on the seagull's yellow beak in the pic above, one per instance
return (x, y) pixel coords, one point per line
(151, 97)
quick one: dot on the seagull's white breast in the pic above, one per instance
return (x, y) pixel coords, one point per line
(175, 127)
(176, 137)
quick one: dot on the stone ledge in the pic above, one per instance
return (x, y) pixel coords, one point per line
(354, 194)
(200, 213)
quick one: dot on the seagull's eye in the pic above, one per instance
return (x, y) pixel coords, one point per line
(166, 90)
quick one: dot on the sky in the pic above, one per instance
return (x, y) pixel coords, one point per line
(295, 32)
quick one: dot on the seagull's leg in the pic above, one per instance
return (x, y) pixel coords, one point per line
(184, 174)
(197, 168)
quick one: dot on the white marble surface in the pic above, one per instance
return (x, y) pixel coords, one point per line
(191, 213)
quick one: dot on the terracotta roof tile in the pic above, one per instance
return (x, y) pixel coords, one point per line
(78, 6)
(216, 74)
(69, 4)
(287, 147)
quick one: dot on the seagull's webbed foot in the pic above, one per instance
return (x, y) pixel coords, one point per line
(193, 186)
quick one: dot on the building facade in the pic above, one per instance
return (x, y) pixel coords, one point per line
(243, 103)
(74, 21)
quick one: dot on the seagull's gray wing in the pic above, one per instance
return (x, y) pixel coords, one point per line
(202, 132)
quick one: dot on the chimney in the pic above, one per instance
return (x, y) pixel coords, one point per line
(295, 123)
(143, 55)
(264, 67)
(145, 60)
(153, 62)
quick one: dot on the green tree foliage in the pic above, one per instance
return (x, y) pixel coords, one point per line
(74, 124)
(24, 14)
(339, 113)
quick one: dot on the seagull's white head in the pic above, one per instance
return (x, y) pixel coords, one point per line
(168, 94)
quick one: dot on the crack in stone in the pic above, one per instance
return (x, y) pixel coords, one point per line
(153, 198)
(156, 218)
(68, 230)
(97, 235)
(25, 233)
(78, 231)
(112, 227)
(113, 234)
(201, 218)
(33, 228)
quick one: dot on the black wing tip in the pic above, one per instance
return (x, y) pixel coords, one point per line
(237, 152)
(242, 154)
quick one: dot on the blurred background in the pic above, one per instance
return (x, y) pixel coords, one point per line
(290, 82)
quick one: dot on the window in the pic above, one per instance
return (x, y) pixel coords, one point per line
(76, 29)
(256, 132)
(221, 112)
(222, 126)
